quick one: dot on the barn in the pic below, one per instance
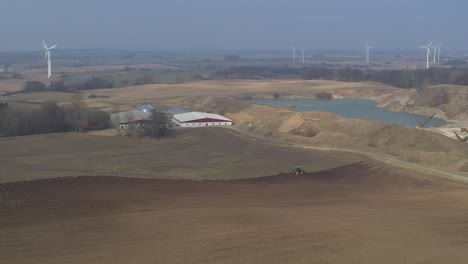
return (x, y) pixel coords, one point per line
(176, 110)
(200, 119)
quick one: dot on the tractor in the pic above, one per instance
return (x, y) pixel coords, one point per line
(298, 170)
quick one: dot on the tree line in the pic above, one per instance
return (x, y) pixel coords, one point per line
(253, 72)
(60, 86)
(407, 78)
(400, 78)
(49, 117)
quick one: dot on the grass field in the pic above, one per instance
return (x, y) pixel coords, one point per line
(212, 153)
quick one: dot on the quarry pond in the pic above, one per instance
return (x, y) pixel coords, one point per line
(350, 108)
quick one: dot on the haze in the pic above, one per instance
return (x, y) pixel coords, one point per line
(241, 24)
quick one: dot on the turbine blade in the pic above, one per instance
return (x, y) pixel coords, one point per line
(430, 43)
(53, 47)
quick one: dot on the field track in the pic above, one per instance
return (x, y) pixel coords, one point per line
(358, 213)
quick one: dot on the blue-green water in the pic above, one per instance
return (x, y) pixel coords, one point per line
(350, 108)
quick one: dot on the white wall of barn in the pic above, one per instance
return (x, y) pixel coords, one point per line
(204, 124)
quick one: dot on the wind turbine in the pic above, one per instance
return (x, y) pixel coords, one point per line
(367, 48)
(435, 48)
(438, 51)
(47, 58)
(428, 53)
(294, 53)
(303, 50)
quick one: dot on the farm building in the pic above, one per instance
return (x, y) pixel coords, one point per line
(197, 119)
(124, 119)
(145, 107)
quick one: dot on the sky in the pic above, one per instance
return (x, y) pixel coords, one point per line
(232, 24)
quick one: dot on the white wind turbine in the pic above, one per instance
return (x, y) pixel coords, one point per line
(367, 48)
(47, 58)
(428, 53)
(436, 49)
(294, 53)
(303, 50)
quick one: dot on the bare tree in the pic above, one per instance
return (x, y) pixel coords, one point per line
(78, 104)
(129, 130)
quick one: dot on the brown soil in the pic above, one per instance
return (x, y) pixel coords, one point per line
(357, 213)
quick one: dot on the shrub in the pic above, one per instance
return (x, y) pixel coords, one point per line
(439, 99)
(98, 119)
(324, 96)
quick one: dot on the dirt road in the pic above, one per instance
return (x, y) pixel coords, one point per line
(376, 156)
(353, 214)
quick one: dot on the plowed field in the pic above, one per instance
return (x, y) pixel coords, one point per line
(359, 213)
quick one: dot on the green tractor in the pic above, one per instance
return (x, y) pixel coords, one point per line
(298, 170)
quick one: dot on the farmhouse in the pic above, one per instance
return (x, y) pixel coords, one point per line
(198, 119)
(131, 118)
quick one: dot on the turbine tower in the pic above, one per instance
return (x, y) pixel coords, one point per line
(428, 53)
(438, 51)
(367, 48)
(303, 50)
(294, 53)
(47, 58)
(435, 48)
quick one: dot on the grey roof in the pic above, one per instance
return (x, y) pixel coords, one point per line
(177, 110)
(129, 116)
(194, 116)
(144, 107)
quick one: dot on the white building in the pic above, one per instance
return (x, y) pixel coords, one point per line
(199, 119)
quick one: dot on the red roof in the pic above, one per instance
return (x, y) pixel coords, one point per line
(207, 120)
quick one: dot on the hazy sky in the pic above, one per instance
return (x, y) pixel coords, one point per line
(232, 24)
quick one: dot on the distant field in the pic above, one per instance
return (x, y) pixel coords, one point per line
(125, 97)
(238, 88)
(208, 153)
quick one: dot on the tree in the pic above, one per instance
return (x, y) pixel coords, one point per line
(57, 86)
(78, 104)
(157, 125)
(98, 119)
(97, 83)
(51, 118)
(34, 86)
